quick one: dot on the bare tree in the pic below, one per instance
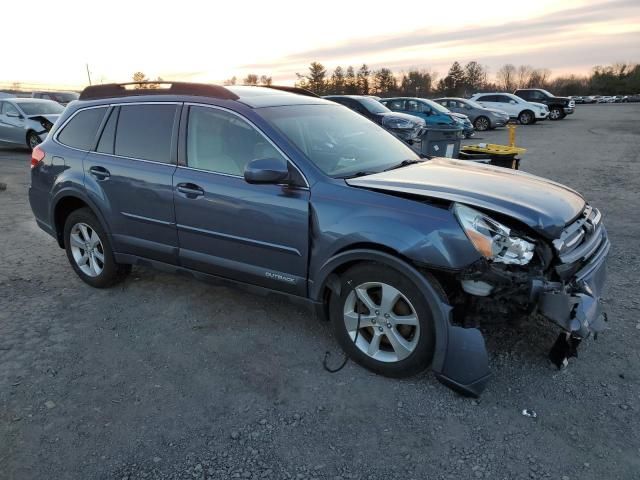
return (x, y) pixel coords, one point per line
(506, 77)
(251, 79)
(231, 81)
(524, 76)
(264, 80)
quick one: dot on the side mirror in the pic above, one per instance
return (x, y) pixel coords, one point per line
(512, 102)
(266, 170)
(14, 115)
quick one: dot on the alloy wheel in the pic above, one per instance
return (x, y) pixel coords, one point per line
(381, 321)
(87, 249)
(34, 141)
(482, 124)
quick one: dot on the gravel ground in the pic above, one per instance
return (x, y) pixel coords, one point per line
(166, 377)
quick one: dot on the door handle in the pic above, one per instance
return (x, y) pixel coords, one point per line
(191, 190)
(100, 173)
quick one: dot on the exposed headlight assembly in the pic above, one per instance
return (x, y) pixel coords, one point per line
(492, 239)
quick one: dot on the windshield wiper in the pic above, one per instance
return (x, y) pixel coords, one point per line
(359, 174)
(403, 163)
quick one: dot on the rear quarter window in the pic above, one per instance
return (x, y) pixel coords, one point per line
(144, 132)
(80, 131)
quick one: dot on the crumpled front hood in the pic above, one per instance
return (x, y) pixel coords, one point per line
(541, 204)
(52, 118)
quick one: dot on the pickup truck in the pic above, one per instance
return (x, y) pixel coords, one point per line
(559, 107)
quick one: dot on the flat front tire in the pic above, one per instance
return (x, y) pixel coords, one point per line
(89, 250)
(382, 321)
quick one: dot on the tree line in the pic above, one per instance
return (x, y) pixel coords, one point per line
(460, 80)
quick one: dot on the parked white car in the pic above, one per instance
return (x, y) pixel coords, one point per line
(517, 108)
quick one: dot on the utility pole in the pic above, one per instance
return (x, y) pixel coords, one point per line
(88, 73)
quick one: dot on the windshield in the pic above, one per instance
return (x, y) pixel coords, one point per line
(473, 104)
(548, 94)
(337, 140)
(436, 106)
(43, 107)
(373, 105)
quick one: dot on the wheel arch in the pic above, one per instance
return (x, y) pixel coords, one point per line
(64, 204)
(460, 359)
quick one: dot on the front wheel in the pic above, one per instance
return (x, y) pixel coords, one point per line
(526, 117)
(33, 140)
(382, 321)
(89, 250)
(556, 113)
(481, 124)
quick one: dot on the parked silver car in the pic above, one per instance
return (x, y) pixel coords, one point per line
(63, 98)
(482, 118)
(26, 121)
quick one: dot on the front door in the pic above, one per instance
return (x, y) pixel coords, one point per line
(12, 124)
(256, 234)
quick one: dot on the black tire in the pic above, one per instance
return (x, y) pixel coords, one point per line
(482, 124)
(111, 272)
(526, 117)
(33, 140)
(556, 113)
(422, 353)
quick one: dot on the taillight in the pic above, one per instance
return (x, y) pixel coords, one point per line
(37, 155)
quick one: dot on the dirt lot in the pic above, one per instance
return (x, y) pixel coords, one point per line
(166, 377)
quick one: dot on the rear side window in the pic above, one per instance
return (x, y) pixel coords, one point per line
(144, 132)
(108, 136)
(81, 130)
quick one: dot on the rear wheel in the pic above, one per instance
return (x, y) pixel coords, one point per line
(382, 321)
(89, 250)
(481, 124)
(526, 117)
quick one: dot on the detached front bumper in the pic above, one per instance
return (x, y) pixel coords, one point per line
(575, 304)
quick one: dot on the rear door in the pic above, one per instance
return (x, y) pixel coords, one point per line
(506, 104)
(129, 175)
(257, 234)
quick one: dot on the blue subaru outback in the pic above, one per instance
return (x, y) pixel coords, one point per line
(286, 192)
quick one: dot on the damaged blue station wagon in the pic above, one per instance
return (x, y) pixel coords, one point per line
(277, 189)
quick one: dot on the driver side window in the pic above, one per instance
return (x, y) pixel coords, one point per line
(7, 109)
(222, 142)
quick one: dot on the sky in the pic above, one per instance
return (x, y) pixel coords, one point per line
(210, 41)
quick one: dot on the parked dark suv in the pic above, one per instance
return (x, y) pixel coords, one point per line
(559, 107)
(295, 194)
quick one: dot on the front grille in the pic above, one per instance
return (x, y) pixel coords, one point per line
(579, 241)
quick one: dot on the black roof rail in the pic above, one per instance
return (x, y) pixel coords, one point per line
(111, 90)
(298, 90)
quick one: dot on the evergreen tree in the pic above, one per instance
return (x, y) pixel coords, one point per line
(337, 83)
(363, 80)
(350, 82)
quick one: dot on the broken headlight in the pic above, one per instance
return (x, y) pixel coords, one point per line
(492, 239)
